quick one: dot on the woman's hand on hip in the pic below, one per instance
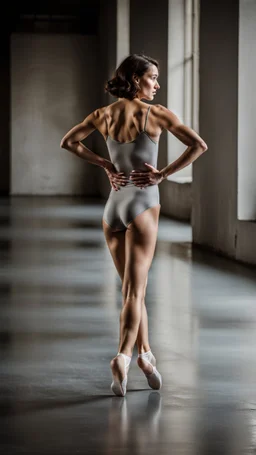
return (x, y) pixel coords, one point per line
(146, 178)
(116, 179)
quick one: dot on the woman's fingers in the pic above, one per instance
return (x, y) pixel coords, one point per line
(139, 178)
(118, 179)
(139, 181)
(135, 176)
(114, 185)
(145, 178)
(139, 173)
(121, 180)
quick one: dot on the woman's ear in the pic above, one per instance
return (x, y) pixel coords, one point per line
(135, 78)
(136, 81)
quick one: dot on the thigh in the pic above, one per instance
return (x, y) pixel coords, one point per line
(111, 214)
(116, 243)
(140, 243)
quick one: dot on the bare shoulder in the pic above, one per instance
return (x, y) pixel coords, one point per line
(98, 118)
(98, 114)
(171, 122)
(164, 116)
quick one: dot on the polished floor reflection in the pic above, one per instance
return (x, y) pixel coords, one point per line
(60, 301)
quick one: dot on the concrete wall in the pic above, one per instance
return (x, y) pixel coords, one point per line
(215, 174)
(108, 58)
(52, 77)
(5, 115)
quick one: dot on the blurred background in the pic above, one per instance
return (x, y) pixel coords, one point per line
(60, 296)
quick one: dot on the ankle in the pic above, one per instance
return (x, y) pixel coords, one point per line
(143, 349)
(125, 352)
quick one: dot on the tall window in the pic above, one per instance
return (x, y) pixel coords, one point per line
(246, 209)
(123, 30)
(183, 73)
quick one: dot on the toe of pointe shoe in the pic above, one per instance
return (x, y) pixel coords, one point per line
(120, 366)
(119, 388)
(154, 379)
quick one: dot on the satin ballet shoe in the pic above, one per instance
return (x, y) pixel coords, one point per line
(122, 363)
(154, 378)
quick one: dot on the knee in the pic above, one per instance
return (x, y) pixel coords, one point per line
(133, 293)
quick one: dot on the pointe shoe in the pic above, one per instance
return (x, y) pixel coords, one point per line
(122, 363)
(154, 378)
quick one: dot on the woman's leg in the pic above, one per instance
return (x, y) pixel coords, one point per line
(140, 242)
(144, 228)
(116, 245)
(142, 341)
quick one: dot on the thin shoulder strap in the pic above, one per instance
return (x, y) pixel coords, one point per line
(146, 118)
(106, 120)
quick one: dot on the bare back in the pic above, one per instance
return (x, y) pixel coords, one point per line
(123, 121)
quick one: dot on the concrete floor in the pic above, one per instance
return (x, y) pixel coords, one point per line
(60, 303)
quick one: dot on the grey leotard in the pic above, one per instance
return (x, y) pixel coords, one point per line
(124, 205)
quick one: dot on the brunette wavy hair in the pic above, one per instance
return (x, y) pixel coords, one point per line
(122, 84)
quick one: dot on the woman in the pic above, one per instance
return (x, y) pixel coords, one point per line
(131, 129)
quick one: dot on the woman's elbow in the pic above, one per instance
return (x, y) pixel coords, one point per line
(203, 146)
(64, 143)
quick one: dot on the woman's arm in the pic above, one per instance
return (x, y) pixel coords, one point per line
(196, 145)
(72, 139)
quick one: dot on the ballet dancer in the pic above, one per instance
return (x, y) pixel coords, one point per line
(132, 128)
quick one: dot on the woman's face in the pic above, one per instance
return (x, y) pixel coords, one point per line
(148, 84)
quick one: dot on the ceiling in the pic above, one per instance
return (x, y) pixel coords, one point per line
(67, 16)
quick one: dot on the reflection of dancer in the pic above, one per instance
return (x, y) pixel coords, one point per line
(132, 130)
(135, 416)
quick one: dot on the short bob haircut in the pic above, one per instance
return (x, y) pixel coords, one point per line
(122, 84)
